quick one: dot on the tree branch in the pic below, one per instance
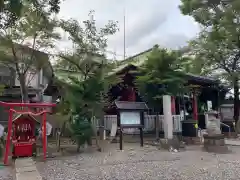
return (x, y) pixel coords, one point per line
(235, 60)
(73, 62)
(32, 54)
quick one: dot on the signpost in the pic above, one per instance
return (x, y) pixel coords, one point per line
(130, 115)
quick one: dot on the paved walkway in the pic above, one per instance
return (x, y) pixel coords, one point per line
(232, 142)
(26, 169)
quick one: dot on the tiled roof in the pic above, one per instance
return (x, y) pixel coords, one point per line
(126, 105)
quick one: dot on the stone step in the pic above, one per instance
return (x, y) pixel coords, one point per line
(28, 176)
(26, 169)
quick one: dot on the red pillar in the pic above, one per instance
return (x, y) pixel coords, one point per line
(195, 107)
(9, 134)
(131, 94)
(44, 133)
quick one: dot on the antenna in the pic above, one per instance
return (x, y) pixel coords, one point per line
(124, 35)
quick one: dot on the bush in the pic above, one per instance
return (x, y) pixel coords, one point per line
(81, 130)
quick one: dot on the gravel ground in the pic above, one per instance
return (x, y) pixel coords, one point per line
(148, 163)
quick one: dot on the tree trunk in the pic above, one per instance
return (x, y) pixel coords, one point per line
(23, 87)
(78, 146)
(236, 100)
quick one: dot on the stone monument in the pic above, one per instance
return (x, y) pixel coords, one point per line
(214, 139)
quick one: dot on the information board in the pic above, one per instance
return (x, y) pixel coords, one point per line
(130, 118)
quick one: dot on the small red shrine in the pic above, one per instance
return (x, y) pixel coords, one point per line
(24, 138)
(21, 130)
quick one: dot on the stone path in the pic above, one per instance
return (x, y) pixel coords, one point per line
(26, 169)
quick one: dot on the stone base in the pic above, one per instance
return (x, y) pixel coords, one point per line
(115, 140)
(170, 143)
(192, 140)
(215, 143)
(230, 134)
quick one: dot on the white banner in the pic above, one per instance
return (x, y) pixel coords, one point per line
(49, 128)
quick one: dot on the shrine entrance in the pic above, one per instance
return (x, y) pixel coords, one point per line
(21, 129)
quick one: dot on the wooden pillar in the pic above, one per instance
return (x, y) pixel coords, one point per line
(195, 106)
(131, 94)
(120, 130)
(9, 134)
(173, 105)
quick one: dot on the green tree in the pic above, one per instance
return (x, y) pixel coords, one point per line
(160, 75)
(85, 94)
(11, 10)
(22, 42)
(192, 64)
(219, 42)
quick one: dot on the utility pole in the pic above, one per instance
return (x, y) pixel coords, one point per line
(124, 35)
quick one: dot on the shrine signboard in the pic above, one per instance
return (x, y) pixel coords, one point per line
(130, 115)
(130, 119)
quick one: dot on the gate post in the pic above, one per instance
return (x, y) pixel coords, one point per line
(168, 121)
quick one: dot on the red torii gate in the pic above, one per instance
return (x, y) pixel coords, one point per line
(10, 118)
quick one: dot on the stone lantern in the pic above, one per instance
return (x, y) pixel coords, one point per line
(212, 123)
(214, 139)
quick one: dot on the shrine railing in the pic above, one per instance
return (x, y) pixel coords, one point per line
(149, 122)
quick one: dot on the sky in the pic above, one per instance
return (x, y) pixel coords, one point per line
(148, 22)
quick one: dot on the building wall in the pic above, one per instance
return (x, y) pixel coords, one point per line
(34, 79)
(6, 76)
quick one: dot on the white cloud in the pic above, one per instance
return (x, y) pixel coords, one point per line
(148, 22)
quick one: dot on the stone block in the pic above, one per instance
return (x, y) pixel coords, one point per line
(24, 162)
(170, 143)
(28, 176)
(215, 143)
(192, 140)
(26, 169)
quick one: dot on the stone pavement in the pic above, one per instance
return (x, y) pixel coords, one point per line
(232, 142)
(6, 173)
(26, 169)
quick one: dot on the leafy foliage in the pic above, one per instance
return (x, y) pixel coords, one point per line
(84, 94)
(218, 45)
(89, 44)
(11, 10)
(220, 38)
(21, 43)
(81, 130)
(160, 75)
(193, 64)
(84, 99)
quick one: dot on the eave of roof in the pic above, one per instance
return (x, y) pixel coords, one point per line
(196, 77)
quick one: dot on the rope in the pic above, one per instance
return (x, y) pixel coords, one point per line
(29, 112)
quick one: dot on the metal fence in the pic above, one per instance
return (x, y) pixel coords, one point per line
(149, 122)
